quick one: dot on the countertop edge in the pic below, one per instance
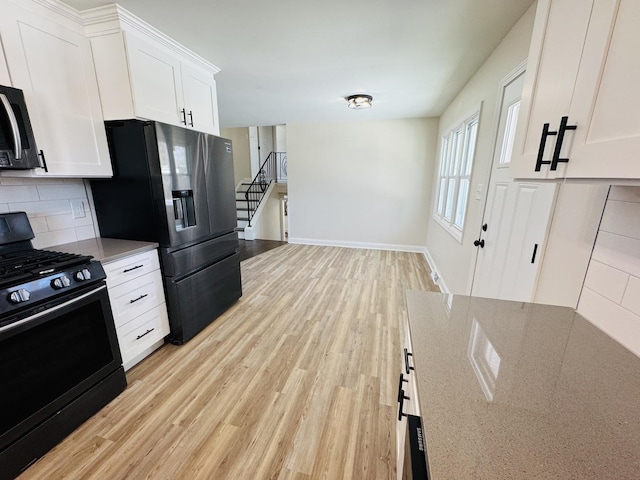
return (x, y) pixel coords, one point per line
(106, 250)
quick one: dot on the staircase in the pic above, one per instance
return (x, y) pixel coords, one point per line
(249, 194)
(242, 207)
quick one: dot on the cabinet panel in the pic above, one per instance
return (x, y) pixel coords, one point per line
(54, 67)
(5, 79)
(155, 81)
(605, 103)
(199, 89)
(135, 297)
(140, 334)
(131, 267)
(554, 59)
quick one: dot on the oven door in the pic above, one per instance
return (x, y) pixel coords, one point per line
(51, 356)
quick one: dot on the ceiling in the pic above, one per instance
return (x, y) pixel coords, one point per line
(294, 61)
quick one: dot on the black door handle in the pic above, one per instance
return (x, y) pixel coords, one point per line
(479, 243)
(484, 227)
(561, 131)
(543, 142)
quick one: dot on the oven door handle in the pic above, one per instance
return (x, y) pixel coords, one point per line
(34, 317)
(17, 141)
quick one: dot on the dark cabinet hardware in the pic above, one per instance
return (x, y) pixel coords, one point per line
(535, 250)
(191, 118)
(132, 268)
(543, 143)
(407, 367)
(561, 131)
(184, 116)
(401, 398)
(400, 390)
(484, 227)
(145, 333)
(44, 161)
(139, 298)
(479, 243)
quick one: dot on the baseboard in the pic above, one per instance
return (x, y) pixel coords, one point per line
(363, 245)
(434, 268)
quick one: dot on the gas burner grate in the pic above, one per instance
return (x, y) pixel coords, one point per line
(25, 265)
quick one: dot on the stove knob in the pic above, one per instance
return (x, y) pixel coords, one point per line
(82, 275)
(19, 296)
(60, 282)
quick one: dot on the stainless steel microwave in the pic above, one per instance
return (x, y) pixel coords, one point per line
(17, 145)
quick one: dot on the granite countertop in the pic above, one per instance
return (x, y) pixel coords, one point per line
(512, 390)
(105, 250)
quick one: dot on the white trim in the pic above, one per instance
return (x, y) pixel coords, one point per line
(434, 268)
(361, 245)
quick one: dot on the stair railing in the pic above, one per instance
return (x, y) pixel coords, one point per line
(267, 173)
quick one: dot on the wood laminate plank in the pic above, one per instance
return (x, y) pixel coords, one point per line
(297, 380)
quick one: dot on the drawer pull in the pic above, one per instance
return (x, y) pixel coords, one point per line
(407, 354)
(139, 298)
(145, 333)
(132, 268)
(401, 398)
(400, 391)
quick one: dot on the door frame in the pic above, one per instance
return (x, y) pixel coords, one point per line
(506, 80)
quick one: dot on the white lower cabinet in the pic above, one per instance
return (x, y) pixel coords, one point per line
(137, 301)
(407, 396)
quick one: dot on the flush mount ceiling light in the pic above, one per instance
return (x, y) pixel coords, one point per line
(358, 102)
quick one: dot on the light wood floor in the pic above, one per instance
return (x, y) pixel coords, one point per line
(297, 380)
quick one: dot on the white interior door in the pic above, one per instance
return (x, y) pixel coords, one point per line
(516, 218)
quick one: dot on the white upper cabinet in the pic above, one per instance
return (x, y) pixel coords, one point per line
(50, 59)
(144, 74)
(582, 72)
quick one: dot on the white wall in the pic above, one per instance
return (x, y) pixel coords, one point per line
(47, 203)
(455, 261)
(611, 295)
(361, 183)
(280, 138)
(241, 157)
(268, 222)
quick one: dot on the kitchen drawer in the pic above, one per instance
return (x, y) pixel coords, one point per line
(133, 298)
(142, 332)
(131, 267)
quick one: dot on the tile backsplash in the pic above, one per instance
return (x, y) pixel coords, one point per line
(49, 203)
(610, 297)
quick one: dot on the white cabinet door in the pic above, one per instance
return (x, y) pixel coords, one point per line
(5, 79)
(554, 60)
(156, 82)
(200, 99)
(606, 103)
(54, 67)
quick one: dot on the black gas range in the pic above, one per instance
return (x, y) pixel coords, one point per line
(59, 357)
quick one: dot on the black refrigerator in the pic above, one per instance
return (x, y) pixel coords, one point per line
(175, 186)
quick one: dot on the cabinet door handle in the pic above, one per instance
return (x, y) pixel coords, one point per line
(561, 131)
(401, 398)
(184, 116)
(535, 251)
(44, 160)
(191, 118)
(400, 390)
(139, 298)
(145, 333)
(479, 243)
(543, 143)
(132, 268)
(407, 367)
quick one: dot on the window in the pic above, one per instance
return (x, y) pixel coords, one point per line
(454, 180)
